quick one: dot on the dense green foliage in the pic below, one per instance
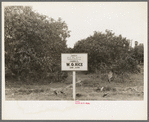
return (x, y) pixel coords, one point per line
(106, 51)
(33, 43)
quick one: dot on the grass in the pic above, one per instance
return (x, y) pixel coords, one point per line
(130, 88)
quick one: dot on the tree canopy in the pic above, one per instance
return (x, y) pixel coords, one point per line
(33, 42)
(106, 50)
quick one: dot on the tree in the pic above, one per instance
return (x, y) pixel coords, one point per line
(33, 42)
(106, 51)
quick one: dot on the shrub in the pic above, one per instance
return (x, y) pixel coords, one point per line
(32, 51)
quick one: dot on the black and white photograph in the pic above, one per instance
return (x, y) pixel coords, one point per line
(77, 52)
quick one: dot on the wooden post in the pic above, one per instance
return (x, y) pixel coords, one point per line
(74, 78)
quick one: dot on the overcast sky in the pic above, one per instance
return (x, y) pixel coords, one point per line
(83, 18)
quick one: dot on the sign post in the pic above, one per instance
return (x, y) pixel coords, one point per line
(74, 62)
(74, 84)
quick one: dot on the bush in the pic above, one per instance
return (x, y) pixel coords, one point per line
(31, 51)
(106, 50)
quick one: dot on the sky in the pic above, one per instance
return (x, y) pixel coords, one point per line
(83, 18)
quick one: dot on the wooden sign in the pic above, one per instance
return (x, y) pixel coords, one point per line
(74, 62)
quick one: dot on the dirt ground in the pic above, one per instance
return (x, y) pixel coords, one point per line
(92, 88)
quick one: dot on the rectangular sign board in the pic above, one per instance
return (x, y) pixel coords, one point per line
(74, 62)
